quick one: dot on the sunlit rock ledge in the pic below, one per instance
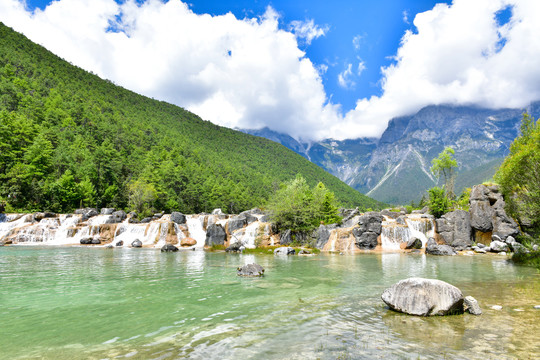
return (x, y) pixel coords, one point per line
(485, 229)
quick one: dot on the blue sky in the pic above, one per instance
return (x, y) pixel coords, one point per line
(312, 69)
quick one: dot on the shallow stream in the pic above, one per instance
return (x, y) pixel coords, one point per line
(76, 302)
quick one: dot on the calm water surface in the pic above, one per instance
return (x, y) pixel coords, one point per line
(90, 303)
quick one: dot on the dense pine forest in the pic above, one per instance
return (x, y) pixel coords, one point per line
(69, 139)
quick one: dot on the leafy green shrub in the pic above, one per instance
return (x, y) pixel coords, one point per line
(297, 207)
(438, 202)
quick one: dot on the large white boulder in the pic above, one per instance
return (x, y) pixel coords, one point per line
(424, 297)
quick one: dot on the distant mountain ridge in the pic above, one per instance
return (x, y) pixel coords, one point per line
(396, 167)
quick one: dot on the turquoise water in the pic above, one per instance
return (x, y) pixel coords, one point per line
(78, 303)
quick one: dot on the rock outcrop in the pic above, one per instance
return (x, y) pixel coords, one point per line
(424, 297)
(488, 214)
(215, 235)
(368, 230)
(455, 229)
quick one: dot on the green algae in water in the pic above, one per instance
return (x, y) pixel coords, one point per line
(65, 303)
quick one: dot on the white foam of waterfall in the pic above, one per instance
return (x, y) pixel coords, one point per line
(196, 230)
(416, 226)
(12, 223)
(98, 220)
(248, 235)
(50, 231)
(421, 228)
(393, 234)
(152, 234)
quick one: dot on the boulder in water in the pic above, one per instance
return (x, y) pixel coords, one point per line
(119, 243)
(424, 297)
(96, 241)
(107, 211)
(434, 249)
(471, 305)
(136, 243)
(284, 250)
(250, 270)
(169, 248)
(188, 242)
(146, 220)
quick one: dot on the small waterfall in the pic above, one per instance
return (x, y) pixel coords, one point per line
(196, 230)
(248, 235)
(395, 233)
(421, 228)
(50, 231)
(341, 240)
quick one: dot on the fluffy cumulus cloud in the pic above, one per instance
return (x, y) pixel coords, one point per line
(459, 54)
(250, 73)
(245, 73)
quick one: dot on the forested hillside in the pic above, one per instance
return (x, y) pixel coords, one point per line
(70, 139)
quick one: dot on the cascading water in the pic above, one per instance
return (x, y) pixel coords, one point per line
(395, 233)
(248, 235)
(196, 230)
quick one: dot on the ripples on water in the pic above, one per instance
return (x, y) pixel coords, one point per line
(65, 303)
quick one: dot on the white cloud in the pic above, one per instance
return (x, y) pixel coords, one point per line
(405, 16)
(345, 78)
(361, 68)
(250, 73)
(356, 41)
(454, 57)
(307, 30)
(239, 73)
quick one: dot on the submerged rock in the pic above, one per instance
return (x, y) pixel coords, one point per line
(434, 249)
(119, 243)
(424, 297)
(136, 243)
(471, 305)
(285, 250)
(169, 248)
(250, 270)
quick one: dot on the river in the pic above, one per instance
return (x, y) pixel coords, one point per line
(123, 303)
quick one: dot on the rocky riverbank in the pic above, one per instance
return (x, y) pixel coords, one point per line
(485, 228)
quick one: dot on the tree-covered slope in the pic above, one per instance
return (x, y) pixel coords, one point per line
(70, 139)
